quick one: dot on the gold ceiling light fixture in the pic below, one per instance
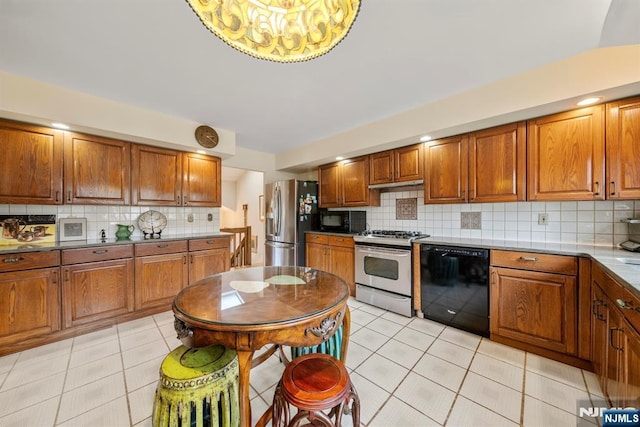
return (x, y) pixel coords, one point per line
(279, 30)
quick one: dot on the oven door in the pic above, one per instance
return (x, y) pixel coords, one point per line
(388, 269)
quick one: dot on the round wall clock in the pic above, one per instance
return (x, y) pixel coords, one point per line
(151, 223)
(206, 136)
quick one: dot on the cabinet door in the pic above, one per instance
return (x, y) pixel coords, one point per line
(96, 291)
(623, 149)
(159, 278)
(615, 359)
(600, 331)
(566, 156)
(29, 304)
(535, 308)
(31, 164)
(446, 164)
(148, 186)
(316, 256)
(409, 162)
(341, 263)
(355, 181)
(96, 170)
(497, 164)
(207, 263)
(632, 369)
(330, 189)
(381, 167)
(201, 180)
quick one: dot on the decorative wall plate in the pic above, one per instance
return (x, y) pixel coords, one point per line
(151, 223)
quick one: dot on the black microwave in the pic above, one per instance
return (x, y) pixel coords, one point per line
(352, 222)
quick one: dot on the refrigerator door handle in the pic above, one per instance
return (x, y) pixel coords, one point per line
(277, 211)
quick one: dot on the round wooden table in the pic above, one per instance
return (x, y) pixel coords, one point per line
(250, 308)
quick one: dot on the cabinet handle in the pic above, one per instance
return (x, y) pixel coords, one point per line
(611, 331)
(57, 196)
(184, 200)
(597, 192)
(54, 277)
(69, 196)
(184, 259)
(101, 251)
(594, 309)
(162, 245)
(13, 259)
(626, 305)
(178, 201)
(210, 242)
(613, 188)
(66, 275)
(529, 258)
(191, 260)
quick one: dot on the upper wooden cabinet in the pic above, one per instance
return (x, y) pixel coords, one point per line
(399, 165)
(96, 170)
(187, 179)
(31, 164)
(497, 164)
(150, 188)
(566, 156)
(623, 149)
(346, 183)
(201, 180)
(446, 166)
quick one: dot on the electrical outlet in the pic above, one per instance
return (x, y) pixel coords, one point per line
(209, 217)
(190, 217)
(543, 218)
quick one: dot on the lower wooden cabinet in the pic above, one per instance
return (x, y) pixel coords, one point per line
(208, 257)
(29, 304)
(334, 254)
(534, 300)
(615, 341)
(162, 271)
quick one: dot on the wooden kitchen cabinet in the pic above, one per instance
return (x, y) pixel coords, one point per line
(96, 170)
(335, 254)
(31, 164)
(161, 271)
(97, 283)
(566, 156)
(446, 164)
(208, 257)
(201, 180)
(623, 149)
(398, 165)
(533, 299)
(29, 296)
(346, 184)
(497, 164)
(150, 188)
(615, 339)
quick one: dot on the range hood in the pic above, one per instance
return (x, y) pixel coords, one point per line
(393, 185)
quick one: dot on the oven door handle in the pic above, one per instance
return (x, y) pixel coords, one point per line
(396, 252)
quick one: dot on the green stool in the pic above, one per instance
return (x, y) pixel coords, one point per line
(198, 387)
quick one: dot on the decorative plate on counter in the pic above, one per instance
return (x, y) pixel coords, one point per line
(151, 223)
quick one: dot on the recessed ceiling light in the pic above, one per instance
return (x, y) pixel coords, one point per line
(339, 158)
(60, 125)
(201, 152)
(589, 101)
(425, 138)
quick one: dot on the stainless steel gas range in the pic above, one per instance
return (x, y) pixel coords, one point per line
(384, 269)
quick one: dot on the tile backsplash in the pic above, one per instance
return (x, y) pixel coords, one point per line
(586, 222)
(106, 217)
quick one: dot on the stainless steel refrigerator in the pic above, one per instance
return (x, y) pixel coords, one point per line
(291, 209)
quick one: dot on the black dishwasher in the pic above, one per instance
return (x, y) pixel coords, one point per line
(454, 285)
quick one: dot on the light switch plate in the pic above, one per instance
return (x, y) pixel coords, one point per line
(543, 218)
(190, 217)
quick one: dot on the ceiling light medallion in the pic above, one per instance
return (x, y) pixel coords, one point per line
(279, 30)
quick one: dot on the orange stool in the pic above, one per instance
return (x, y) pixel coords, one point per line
(315, 383)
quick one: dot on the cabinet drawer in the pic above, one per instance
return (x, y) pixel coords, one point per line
(210, 243)
(28, 260)
(631, 309)
(535, 262)
(341, 241)
(610, 287)
(317, 238)
(101, 253)
(159, 248)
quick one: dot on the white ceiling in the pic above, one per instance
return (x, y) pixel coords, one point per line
(400, 54)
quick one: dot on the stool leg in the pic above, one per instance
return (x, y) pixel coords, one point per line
(280, 408)
(355, 406)
(313, 417)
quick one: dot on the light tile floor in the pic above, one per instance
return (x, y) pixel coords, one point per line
(408, 372)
